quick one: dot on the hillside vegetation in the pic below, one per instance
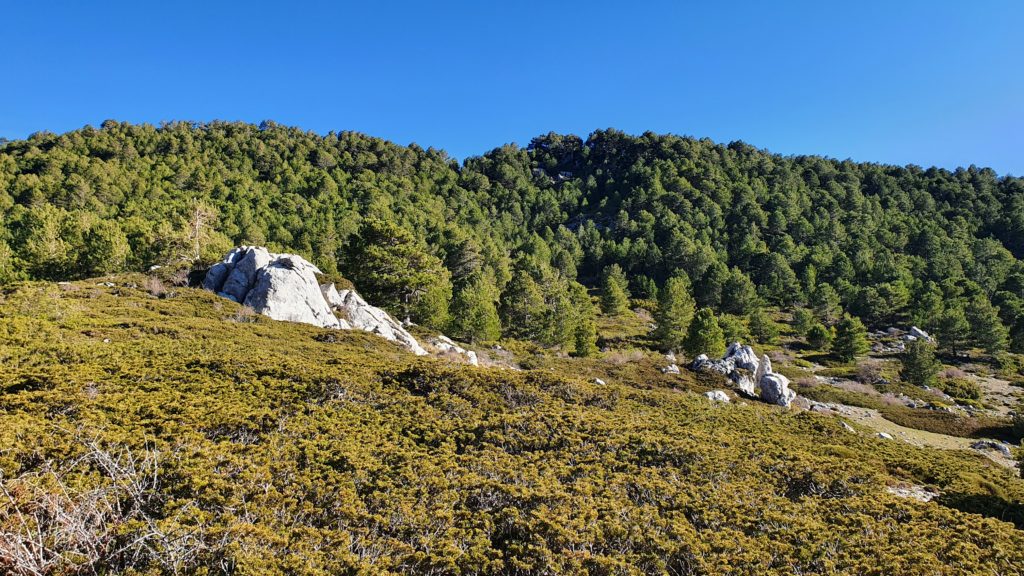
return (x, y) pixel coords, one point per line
(511, 232)
(168, 431)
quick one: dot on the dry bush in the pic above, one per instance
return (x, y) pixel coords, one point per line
(952, 372)
(245, 315)
(620, 357)
(155, 287)
(869, 371)
(50, 523)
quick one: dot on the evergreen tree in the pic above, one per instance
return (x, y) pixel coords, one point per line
(674, 313)
(522, 306)
(585, 333)
(105, 249)
(762, 327)
(825, 301)
(475, 316)
(919, 364)
(803, 321)
(986, 329)
(851, 339)
(704, 336)
(739, 295)
(614, 293)
(392, 270)
(820, 337)
(952, 329)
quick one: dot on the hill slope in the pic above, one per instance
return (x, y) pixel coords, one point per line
(179, 434)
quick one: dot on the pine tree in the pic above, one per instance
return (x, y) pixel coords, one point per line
(820, 337)
(762, 327)
(585, 333)
(851, 339)
(803, 321)
(952, 329)
(825, 301)
(392, 269)
(614, 292)
(739, 295)
(674, 313)
(919, 364)
(522, 306)
(475, 316)
(704, 336)
(986, 329)
(105, 249)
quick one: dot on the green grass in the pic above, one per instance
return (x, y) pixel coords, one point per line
(283, 452)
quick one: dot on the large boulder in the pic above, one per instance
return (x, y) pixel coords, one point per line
(279, 286)
(742, 357)
(285, 287)
(775, 390)
(362, 316)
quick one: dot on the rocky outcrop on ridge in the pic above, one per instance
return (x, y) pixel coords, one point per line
(285, 287)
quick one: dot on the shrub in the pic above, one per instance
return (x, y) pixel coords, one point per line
(960, 388)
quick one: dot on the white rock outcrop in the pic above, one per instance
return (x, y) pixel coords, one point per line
(279, 286)
(285, 287)
(741, 365)
(362, 316)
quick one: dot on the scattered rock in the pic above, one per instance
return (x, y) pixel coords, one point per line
(446, 344)
(717, 396)
(670, 369)
(363, 316)
(917, 333)
(1000, 447)
(775, 390)
(279, 286)
(741, 366)
(913, 491)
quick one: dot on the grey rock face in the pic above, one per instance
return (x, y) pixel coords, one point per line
(775, 390)
(362, 316)
(742, 357)
(284, 287)
(280, 286)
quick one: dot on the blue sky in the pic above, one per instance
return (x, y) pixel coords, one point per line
(929, 83)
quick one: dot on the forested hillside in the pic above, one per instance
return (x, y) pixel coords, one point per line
(510, 236)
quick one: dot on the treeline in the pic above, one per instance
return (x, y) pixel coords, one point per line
(505, 242)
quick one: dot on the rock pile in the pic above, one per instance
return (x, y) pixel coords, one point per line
(741, 366)
(285, 287)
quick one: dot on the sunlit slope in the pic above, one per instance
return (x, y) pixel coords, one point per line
(286, 448)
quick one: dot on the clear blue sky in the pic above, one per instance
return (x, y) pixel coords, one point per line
(928, 83)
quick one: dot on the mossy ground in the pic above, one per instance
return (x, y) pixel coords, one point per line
(285, 452)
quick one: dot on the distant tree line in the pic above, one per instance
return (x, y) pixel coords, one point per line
(506, 243)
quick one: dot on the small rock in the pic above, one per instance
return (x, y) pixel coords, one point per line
(717, 396)
(670, 369)
(848, 428)
(599, 381)
(993, 445)
(885, 436)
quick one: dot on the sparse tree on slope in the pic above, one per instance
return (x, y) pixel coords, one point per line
(674, 313)
(704, 336)
(851, 339)
(919, 364)
(614, 292)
